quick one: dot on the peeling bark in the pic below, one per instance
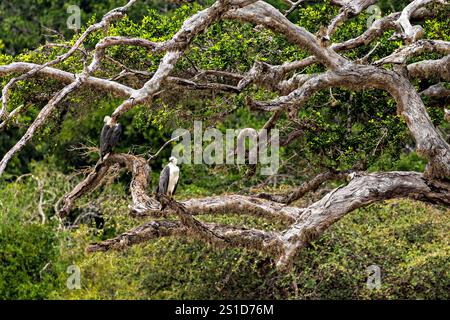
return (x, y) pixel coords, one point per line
(360, 192)
(413, 33)
(303, 224)
(430, 69)
(438, 91)
(349, 9)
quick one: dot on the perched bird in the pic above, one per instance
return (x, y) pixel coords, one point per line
(168, 179)
(109, 137)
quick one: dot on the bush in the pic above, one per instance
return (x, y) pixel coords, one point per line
(407, 240)
(27, 253)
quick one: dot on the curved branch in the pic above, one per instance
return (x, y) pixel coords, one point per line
(39, 121)
(360, 192)
(308, 186)
(429, 141)
(294, 5)
(107, 18)
(115, 88)
(401, 55)
(409, 32)
(181, 41)
(262, 13)
(228, 236)
(350, 9)
(430, 69)
(375, 31)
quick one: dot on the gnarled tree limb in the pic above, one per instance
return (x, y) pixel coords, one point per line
(304, 224)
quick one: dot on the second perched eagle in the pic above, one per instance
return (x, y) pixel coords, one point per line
(168, 179)
(109, 137)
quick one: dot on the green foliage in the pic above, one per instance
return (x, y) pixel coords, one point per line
(344, 129)
(341, 129)
(26, 24)
(407, 240)
(28, 249)
(25, 251)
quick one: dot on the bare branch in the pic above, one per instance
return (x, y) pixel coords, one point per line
(429, 141)
(413, 33)
(360, 192)
(436, 91)
(107, 19)
(419, 47)
(115, 88)
(40, 184)
(181, 40)
(229, 236)
(308, 186)
(430, 69)
(262, 13)
(185, 83)
(151, 157)
(349, 9)
(294, 5)
(139, 184)
(313, 221)
(39, 121)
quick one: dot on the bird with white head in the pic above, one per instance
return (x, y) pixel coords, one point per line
(168, 179)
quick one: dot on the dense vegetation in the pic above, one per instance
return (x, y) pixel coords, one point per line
(408, 240)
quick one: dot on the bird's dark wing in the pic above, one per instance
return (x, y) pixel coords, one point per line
(115, 135)
(104, 140)
(164, 180)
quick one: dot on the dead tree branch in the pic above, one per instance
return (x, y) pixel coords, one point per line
(306, 224)
(294, 87)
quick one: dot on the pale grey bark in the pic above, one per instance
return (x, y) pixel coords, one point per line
(349, 9)
(304, 224)
(430, 69)
(413, 33)
(111, 16)
(436, 91)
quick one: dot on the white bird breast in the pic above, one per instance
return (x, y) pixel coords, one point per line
(173, 177)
